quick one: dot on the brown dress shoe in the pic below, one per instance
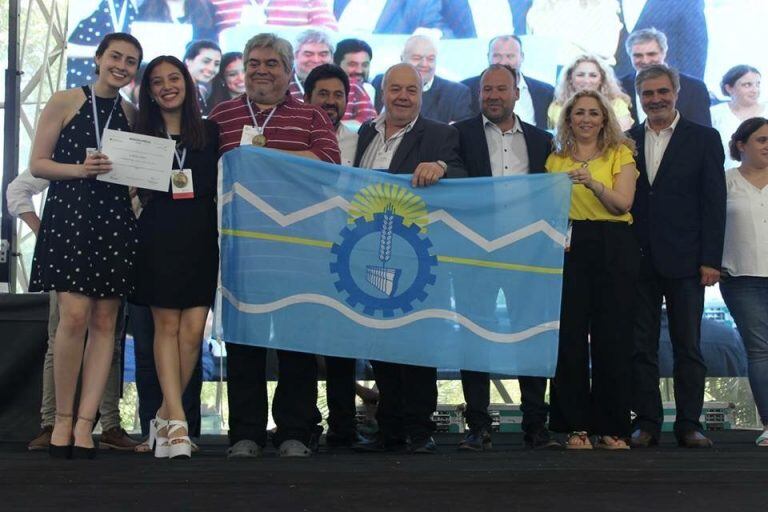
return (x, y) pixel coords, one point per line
(117, 438)
(642, 439)
(42, 440)
(694, 439)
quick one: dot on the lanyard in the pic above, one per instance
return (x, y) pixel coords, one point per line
(298, 83)
(99, 133)
(179, 159)
(259, 129)
(118, 20)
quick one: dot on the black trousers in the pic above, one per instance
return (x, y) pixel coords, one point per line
(599, 278)
(340, 390)
(685, 305)
(407, 399)
(294, 406)
(477, 395)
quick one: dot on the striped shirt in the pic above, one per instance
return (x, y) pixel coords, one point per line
(359, 105)
(292, 13)
(293, 127)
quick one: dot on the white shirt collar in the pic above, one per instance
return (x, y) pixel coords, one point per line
(379, 124)
(668, 128)
(427, 86)
(515, 129)
(521, 83)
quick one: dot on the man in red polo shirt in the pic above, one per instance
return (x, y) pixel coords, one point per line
(267, 115)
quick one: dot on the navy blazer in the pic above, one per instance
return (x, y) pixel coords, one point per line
(692, 101)
(427, 141)
(542, 95)
(684, 24)
(474, 147)
(680, 219)
(445, 101)
(402, 16)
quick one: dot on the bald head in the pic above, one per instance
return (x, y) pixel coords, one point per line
(401, 88)
(421, 52)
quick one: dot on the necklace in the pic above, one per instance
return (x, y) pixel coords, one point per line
(585, 162)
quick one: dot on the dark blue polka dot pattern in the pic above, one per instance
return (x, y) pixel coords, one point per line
(90, 31)
(87, 240)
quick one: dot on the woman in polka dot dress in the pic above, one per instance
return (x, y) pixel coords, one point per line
(108, 16)
(87, 239)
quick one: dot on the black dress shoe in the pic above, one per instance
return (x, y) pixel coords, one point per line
(476, 441)
(541, 439)
(60, 452)
(642, 439)
(694, 439)
(423, 446)
(378, 444)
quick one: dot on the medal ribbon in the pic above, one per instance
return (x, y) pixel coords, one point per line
(179, 159)
(118, 20)
(99, 133)
(259, 129)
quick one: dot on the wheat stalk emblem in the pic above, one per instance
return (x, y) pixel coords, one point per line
(385, 239)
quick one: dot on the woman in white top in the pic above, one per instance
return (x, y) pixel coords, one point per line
(742, 85)
(745, 254)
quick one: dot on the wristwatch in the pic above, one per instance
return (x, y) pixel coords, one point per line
(442, 164)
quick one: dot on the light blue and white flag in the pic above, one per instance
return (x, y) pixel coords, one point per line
(350, 262)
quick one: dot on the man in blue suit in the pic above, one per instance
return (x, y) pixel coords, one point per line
(684, 23)
(647, 47)
(535, 96)
(679, 220)
(497, 143)
(443, 100)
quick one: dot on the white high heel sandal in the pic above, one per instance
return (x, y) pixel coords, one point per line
(181, 446)
(158, 443)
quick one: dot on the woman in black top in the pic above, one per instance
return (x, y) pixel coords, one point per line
(177, 260)
(87, 240)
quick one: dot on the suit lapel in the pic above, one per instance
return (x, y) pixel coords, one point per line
(366, 135)
(406, 145)
(482, 147)
(677, 139)
(638, 134)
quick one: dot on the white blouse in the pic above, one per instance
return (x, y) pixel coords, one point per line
(746, 227)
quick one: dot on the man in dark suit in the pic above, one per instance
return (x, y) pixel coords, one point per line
(679, 220)
(683, 22)
(497, 143)
(398, 16)
(442, 100)
(647, 47)
(535, 96)
(401, 141)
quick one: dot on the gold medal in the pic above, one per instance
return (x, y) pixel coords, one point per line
(259, 140)
(179, 180)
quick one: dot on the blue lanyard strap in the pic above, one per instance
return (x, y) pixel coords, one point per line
(179, 158)
(99, 133)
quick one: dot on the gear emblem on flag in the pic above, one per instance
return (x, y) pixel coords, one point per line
(378, 291)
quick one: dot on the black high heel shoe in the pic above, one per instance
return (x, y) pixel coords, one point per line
(80, 452)
(60, 451)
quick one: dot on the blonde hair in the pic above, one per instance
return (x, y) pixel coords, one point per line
(610, 136)
(609, 85)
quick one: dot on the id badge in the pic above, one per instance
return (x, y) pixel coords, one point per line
(568, 234)
(91, 151)
(249, 132)
(181, 184)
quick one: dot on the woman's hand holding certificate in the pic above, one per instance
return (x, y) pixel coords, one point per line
(138, 160)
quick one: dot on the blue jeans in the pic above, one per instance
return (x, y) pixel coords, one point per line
(747, 300)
